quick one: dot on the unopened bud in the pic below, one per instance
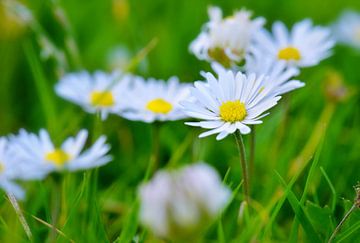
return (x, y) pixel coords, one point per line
(335, 88)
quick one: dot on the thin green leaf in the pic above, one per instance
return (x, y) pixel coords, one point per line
(299, 211)
(332, 188)
(130, 226)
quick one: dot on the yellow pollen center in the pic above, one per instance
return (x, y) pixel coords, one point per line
(289, 53)
(102, 98)
(159, 106)
(58, 157)
(357, 33)
(232, 111)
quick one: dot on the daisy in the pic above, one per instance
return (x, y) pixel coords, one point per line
(304, 46)
(229, 103)
(9, 171)
(347, 29)
(100, 92)
(227, 40)
(180, 204)
(155, 100)
(280, 74)
(45, 157)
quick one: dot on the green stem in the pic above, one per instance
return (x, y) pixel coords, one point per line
(244, 166)
(154, 158)
(337, 229)
(56, 206)
(252, 150)
(97, 126)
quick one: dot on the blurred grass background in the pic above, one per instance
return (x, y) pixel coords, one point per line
(108, 34)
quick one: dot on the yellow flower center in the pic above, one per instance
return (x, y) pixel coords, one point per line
(357, 33)
(58, 157)
(233, 111)
(159, 106)
(102, 98)
(2, 167)
(289, 53)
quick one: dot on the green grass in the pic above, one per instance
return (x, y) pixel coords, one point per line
(290, 205)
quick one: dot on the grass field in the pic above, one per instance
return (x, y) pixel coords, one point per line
(307, 156)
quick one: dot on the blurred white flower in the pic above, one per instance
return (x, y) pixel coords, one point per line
(280, 74)
(227, 40)
(347, 29)
(180, 204)
(155, 100)
(98, 92)
(40, 152)
(10, 170)
(118, 57)
(230, 102)
(304, 46)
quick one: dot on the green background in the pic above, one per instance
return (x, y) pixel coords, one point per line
(27, 100)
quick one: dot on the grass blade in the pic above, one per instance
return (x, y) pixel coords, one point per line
(131, 225)
(299, 212)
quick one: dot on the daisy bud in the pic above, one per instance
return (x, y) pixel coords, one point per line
(14, 18)
(120, 9)
(181, 204)
(335, 89)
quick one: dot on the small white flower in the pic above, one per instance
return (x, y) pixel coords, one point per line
(10, 170)
(230, 103)
(45, 157)
(155, 100)
(181, 203)
(280, 74)
(347, 29)
(226, 40)
(98, 92)
(304, 46)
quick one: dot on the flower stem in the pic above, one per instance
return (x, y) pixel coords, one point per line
(244, 166)
(154, 158)
(337, 229)
(252, 150)
(56, 206)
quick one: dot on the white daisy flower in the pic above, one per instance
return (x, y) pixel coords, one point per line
(45, 157)
(280, 74)
(230, 103)
(9, 171)
(98, 92)
(179, 204)
(347, 29)
(304, 46)
(226, 40)
(155, 100)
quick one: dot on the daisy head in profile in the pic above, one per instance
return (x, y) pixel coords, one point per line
(45, 157)
(304, 45)
(10, 170)
(347, 29)
(230, 102)
(98, 92)
(226, 40)
(155, 100)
